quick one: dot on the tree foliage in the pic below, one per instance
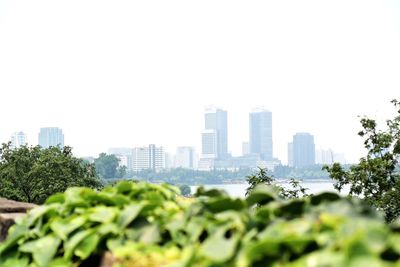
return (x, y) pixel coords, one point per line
(145, 224)
(376, 177)
(107, 166)
(185, 190)
(31, 174)
(263, 178)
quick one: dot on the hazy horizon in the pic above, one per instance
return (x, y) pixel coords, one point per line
(126, 74)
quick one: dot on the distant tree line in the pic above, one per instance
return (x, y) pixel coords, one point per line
(218, 176)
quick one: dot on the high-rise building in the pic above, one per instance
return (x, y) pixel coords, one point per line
(51, 136)
(18, 139)
(215, 135)
(245, 148)
(150, 157)
(185, 157)
(260, 141)
(324, 156)
(156, 157)
(209, 144)
(290, 154)
(303, 150)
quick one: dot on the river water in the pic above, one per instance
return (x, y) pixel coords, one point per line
(239, 190)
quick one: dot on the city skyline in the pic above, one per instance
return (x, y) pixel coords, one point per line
(109, 82)
(215, 120)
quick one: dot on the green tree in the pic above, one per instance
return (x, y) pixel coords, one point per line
(376, 177)
(262, 177)
(185, 190)
(32, 174)
(107, 166)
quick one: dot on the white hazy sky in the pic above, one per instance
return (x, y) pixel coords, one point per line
(130, 73)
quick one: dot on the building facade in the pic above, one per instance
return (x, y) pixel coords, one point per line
(303, 150)
(185, 157)
(51, 136)
(18, 139)
(215, 134)
(260, 134)
(150, 157)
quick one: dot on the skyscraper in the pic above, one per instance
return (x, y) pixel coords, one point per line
(18, 139)
(150, 157)
(260, 141)
(303, 150)
(215, 135)
(185, 157)
(51, 136)
(290, 154)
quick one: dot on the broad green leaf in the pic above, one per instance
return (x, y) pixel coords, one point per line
(102, 214)
(13, 262)
(219, 249)
(261, 195)
(63, 228)
(124, 187)
(88, 245)
(128, 214)
(16, 232)
(74, 241)
(220, 204)
(60, 262)
(150, 235)
(326, 196)
(43, 250)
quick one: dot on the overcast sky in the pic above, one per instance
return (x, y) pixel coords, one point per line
(130, 73)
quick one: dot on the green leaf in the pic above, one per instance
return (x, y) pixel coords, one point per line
(225, 203)
(102, 214)
(261, 195)
(56, 198)
(64, 227)
(128, 214)
(219, 249)
(326, 196)
(150, 235)
(124, 187)
(88, 245)
(74, 241)
(13, 262)
(60, 262)
(43, 250)
(16, 232)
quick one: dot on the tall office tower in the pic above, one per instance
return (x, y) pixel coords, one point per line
(260, 141)
(150, 157)
(303, 150)
(18, 139)
(290, 154)
(215, 135)
(156, 157)
(245, 148)
(140, 158)
(51, 136)
(185, 157)
(209, 144)
(323, 156)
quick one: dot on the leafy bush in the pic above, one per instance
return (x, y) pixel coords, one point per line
(149, 225)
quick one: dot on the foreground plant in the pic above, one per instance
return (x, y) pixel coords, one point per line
(143, 224)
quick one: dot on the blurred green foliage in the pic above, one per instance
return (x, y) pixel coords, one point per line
(145, 224)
